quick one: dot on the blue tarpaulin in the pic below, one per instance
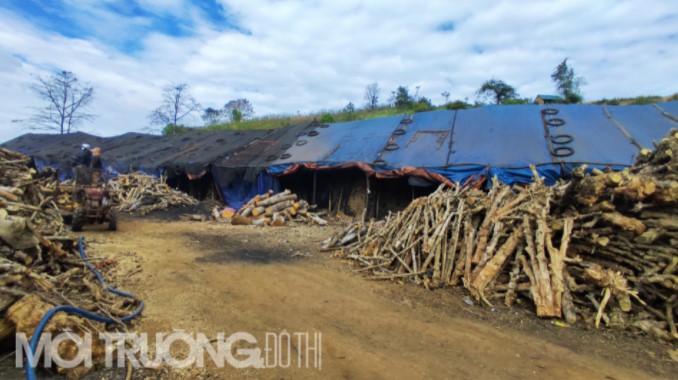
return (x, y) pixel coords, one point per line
(644, 123)
(450, 146)
(357, 141)
(671, 108)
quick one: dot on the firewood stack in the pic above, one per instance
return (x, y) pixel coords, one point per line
(145, 193)
(26, 194)
(39, 267)
(602, 248)
(276, 210)
(628, 232)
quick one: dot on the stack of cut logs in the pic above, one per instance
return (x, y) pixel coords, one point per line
(602, 248)
(27, 194)
(145, 193)
(628, 237)
(276, 210)
(39, 267)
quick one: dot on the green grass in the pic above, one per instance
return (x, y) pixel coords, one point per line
(638, 100)
(340, 115)
(332, 116)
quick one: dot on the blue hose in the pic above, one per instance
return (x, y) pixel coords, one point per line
(30, 371)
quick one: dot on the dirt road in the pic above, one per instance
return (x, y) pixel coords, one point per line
(210, 278)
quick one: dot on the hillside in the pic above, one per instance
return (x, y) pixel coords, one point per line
(344, 115)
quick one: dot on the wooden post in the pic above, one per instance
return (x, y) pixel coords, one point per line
(367, 191)
(315, 183)
(376, 216)
(370, 202)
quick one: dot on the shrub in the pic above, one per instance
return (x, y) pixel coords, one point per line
(326, 118)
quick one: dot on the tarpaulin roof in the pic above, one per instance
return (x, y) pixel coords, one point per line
(445, 145)
(493, 140)
(669, 109)
(596, 138)
(498, 136)
(264, 149)
(644, 123)
(191, 152)
(356, 141)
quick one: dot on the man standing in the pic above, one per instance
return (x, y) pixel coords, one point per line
(96, 164)
(85, 158)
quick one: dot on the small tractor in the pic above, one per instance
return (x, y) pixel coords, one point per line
(92, 200)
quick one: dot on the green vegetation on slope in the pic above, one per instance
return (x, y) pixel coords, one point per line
(351, 114)
(638, 100)
(324, 116)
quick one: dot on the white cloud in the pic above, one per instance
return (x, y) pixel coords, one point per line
(311, 55)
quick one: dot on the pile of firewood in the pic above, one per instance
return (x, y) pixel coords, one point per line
(463, 234)
(627, 230)
(28, 195)
(602, 248)
(145, 193)
(39, 267)
(276, 210)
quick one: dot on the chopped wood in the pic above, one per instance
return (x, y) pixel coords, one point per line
(144, 193)
(38, 264)
(603, 246)
(276, 210)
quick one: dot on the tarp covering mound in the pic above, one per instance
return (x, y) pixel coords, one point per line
(488, 141)
(190, 153)
(445, 146)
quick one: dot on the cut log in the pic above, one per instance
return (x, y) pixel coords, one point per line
(624, 222)
(272, 199)
(489, 272)
(278, 207)
(277, 199)
(239, 220)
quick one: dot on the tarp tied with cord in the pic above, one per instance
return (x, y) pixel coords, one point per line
(500, 141)
(438, 146)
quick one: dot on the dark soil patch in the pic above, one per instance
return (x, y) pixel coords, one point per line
(225, 250)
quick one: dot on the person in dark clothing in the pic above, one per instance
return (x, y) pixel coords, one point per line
(96, 158)
(85, 158)
(96, 164)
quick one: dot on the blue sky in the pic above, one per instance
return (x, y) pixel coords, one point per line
(123, 24)
(307, 55)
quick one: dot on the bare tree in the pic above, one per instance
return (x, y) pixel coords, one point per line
(446, 96)
(176, 104)
(67, 99)
(372, 95)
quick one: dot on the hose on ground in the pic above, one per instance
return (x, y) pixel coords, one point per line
(30, 371)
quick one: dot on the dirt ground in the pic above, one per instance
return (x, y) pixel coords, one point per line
(208, 277)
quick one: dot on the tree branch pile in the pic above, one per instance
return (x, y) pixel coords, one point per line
(276, 210)
(145, 193)
(602, 248)
(39, 264)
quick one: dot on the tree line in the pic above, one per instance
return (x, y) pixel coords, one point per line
(67, 100)
(567, 84)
